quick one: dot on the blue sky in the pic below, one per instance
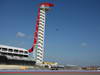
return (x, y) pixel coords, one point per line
(72, 29)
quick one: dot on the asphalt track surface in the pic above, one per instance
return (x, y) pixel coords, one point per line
(48, 72)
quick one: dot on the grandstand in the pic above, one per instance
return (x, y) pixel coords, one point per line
(14, 55)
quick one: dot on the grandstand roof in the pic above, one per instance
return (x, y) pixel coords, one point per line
(5, 46)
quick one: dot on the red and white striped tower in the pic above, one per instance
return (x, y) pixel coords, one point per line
(38, 45)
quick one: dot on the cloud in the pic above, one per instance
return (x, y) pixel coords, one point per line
(20, 34)
(23, 35)
(83, 44)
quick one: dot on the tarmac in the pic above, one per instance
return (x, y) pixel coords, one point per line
(46, 72)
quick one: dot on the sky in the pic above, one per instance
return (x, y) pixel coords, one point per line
(72, 34)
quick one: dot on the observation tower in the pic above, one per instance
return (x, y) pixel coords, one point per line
(39, 34)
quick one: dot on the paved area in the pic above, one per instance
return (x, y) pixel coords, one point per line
(20, 67)
(74, 73)
(9, 67)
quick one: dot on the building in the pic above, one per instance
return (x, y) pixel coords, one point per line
(14, 55)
